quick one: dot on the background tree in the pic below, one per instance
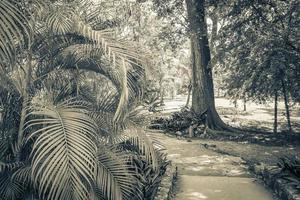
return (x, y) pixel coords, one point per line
(256, 45)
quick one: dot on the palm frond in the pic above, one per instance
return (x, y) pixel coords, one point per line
(60, 21)
(114, 176)
(89, 57)
(9, 187)
(14, 29)
(63, 155)
(92, 57)
(4, 146)
(120, 54)
(23, 175)
(10, 166)
(103, 113)
(146, 146)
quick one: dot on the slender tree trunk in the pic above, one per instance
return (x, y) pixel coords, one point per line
(189, 94)
(203, 92)
(162, 100)
(173, 89)
(161, 90)
(286, 103)
(245, 103)
(235, 103)
(275, 112)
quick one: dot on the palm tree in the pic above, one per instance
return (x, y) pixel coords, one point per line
(61, 151)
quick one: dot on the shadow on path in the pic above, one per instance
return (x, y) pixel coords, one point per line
(205, 174)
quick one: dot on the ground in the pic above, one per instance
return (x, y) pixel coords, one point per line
(207, 174)
(266, 148)
(214, 169)
(256, 115)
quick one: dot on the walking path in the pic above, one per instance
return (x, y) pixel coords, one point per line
(205, 174)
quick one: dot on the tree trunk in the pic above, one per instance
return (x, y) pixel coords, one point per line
(286, 103)
(214, 31)
(173, 89)
(245, 103)
(203, 93)
(235, 103)
(275, 112)
(161, 90)
(189, 94)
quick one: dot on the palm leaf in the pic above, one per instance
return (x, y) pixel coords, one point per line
(4, 146)
(10, 166)
(146, 146)
(14, 29)
(60, 21)
(119, 54)
(63, 155)
(23, 175)
(10, 188)
(114, 176)
(89, 57)
(86, 56)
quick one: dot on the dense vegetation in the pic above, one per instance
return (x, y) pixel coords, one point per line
(66, 83)
(76, 75)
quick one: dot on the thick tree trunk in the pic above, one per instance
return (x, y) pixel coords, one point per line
(275, 112)
(203, 93)
(286, 103)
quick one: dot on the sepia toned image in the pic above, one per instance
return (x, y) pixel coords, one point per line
(149, 100)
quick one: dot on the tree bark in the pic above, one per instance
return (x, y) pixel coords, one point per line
(203, 92)
(286, 103)
(275, 112)
(214, 32)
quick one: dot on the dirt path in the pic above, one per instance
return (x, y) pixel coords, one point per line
(205, 174)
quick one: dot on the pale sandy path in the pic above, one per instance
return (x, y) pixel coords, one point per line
(205, 174)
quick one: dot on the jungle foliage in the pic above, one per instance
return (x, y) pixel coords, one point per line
(68, 92)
